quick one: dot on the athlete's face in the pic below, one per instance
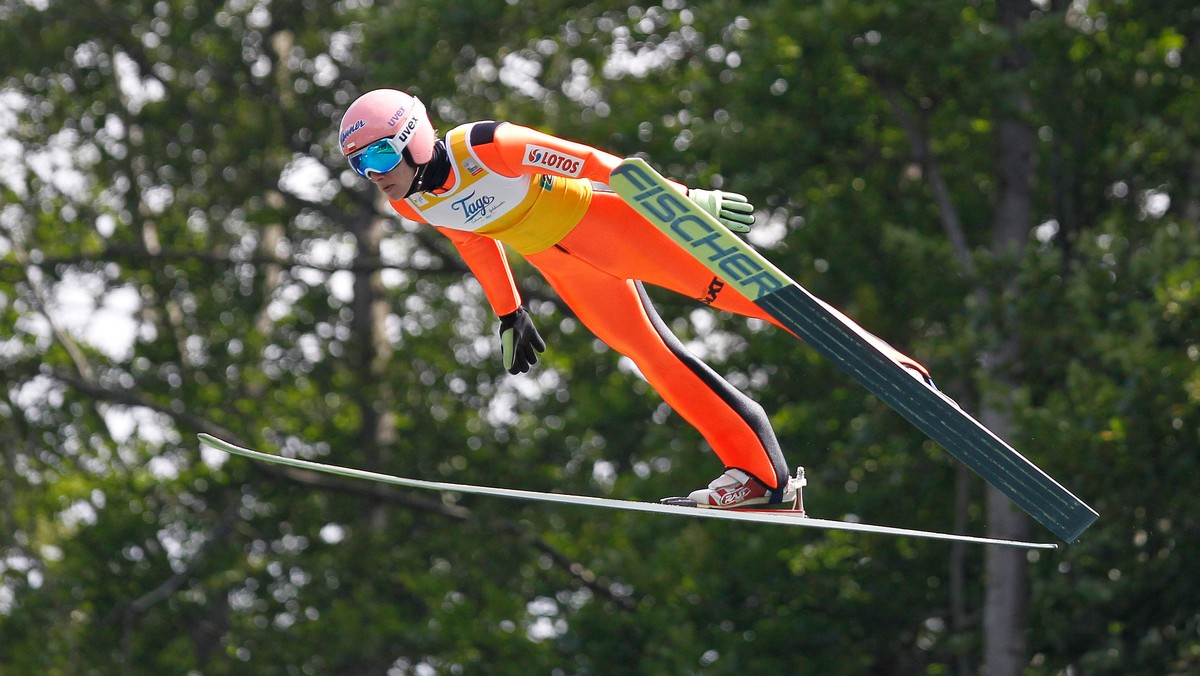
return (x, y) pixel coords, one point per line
(395, 183)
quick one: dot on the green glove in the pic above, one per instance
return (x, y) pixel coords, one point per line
(519, 341)
(732, 209)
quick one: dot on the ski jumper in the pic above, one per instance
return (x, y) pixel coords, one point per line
(534, 192)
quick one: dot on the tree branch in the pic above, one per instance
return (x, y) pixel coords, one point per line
(923, 155)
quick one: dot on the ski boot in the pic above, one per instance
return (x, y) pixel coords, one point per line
(736, 489)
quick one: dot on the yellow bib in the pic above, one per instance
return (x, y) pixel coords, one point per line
(530, 213)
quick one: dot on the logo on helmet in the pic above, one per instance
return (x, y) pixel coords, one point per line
(408, 130)
(396, 116)
(353, 128)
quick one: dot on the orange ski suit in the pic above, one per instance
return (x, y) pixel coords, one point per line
(514, 185)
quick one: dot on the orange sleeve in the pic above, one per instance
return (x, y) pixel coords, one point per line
(485, 256)
(486, 259)
(515, 150)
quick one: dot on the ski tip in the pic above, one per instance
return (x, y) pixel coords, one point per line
(221, 445)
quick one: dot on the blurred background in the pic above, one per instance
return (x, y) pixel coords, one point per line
(1007, 190)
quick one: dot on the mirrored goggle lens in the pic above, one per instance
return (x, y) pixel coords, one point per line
(380, 156)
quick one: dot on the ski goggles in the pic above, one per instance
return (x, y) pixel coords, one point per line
(381, 156)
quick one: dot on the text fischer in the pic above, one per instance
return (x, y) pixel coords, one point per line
(668, 206)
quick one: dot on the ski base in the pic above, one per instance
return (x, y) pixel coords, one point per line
(785, 517)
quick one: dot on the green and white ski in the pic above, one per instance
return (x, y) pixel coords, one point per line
(852, 349)
(778, 517)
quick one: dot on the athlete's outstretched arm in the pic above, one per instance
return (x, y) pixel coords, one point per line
(484, 256)
(487, 261)
(520, 342)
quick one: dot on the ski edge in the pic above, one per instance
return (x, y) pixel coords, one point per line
(779, 518)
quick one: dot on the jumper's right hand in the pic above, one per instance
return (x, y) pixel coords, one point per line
(733, 210)
(519, 341)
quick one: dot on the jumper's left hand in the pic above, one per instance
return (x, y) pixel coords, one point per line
(733, 210)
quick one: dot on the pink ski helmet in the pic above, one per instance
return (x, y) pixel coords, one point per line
(391, 115)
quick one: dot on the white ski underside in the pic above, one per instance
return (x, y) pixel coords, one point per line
(779, 517)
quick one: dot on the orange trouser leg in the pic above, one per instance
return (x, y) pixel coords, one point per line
(593, 269)
(617, 311)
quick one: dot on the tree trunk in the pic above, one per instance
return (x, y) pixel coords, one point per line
(1006, 596)
(374, 397)
(1007, 578)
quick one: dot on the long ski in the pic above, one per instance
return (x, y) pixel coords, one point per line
(779, 517)
(852, 349)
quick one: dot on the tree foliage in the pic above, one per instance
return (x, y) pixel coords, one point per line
(183, 250)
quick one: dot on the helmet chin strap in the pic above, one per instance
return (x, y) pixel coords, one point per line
(431, 174)
(418, 179)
